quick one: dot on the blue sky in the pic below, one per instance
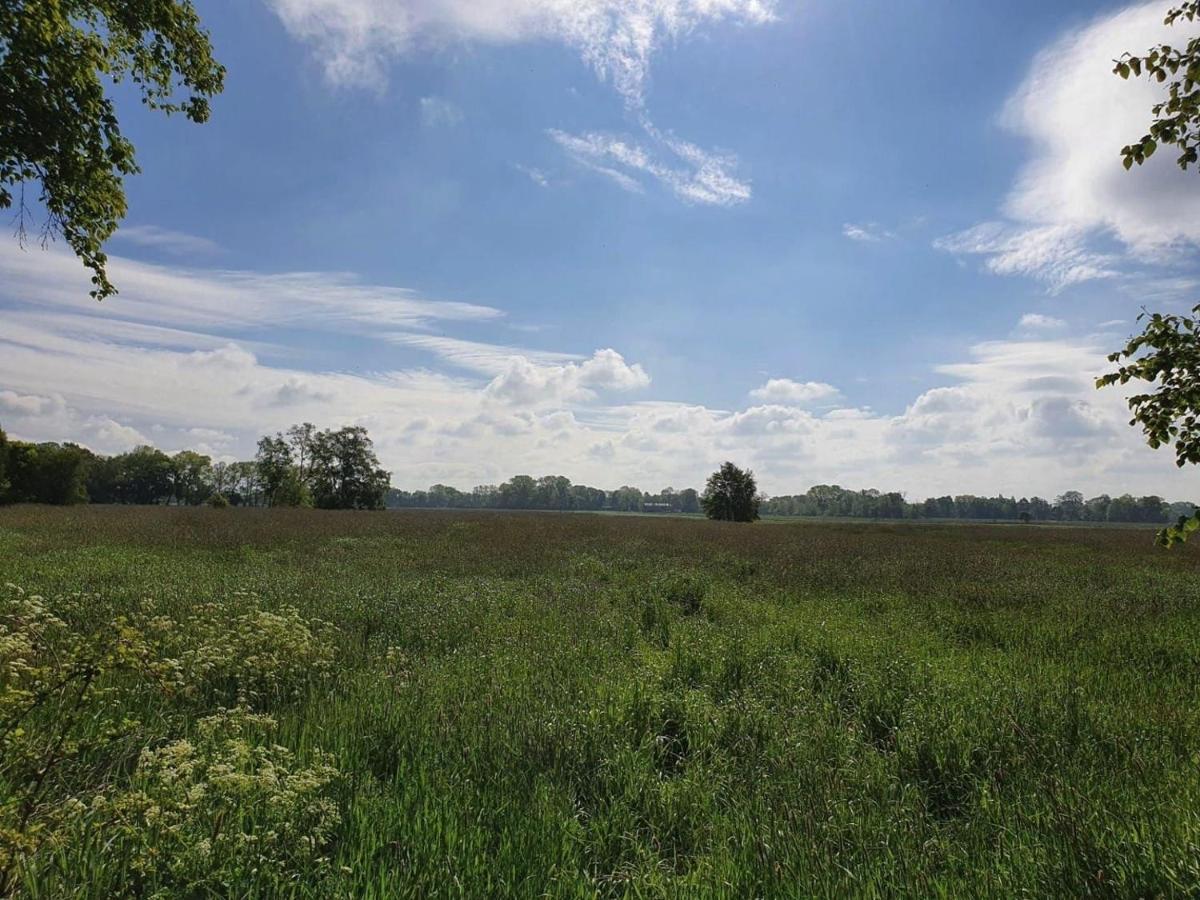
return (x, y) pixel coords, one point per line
(623, 241)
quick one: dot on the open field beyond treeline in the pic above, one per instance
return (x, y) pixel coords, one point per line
(479, 705)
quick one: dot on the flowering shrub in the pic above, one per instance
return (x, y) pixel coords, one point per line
(201, 815)
(59, 705)
(241, 652)
(194, 813)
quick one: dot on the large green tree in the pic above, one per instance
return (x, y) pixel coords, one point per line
(191, 477)
(731, 495)
(275, 464)
(58, 124)
(345, 473)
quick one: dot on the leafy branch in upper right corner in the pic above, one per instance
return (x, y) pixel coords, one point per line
(1166, 354)
(1177, 118)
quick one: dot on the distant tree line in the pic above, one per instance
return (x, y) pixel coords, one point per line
(338, 469)
(832, 500)
(331, 469)
(555, 492)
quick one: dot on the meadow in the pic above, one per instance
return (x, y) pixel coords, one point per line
(273, 703)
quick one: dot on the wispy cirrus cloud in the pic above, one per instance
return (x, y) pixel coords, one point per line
(867, 232)
(1058, 255)
(476, 356)
(1040, 322)
(697, 176)
(356, 40)
(175, 243)
(438, 112)
(534, 174)
(224, 299)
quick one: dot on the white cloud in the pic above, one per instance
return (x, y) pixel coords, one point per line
(356, 39)
(1056, 254)
(181, 298)
(867, 232)
(298, 390)
(107, 436)
(437, 112)
(1078, 115)
(1040, 322)
(14, 404)
(487, 359)
(705, 177)
(1073, 193)
(526, 383)
(1019, 415)
(537, 176)
(770, 419)
(795, 393)
(176, 243)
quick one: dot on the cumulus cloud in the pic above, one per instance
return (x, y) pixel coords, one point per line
(525, 383)
(795, 393)
(1078, 115)
(1073, 193)
(770, 419)
(14, 404)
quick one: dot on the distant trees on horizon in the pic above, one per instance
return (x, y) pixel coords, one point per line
(338, 469)
(555, 492)
(331, 469)
(1070, 506)
(550, 492)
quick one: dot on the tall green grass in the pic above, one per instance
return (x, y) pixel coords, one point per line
(425, 704)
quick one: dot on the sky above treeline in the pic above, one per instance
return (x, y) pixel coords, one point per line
(867, 243)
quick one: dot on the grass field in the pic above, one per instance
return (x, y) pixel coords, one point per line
(487, 705)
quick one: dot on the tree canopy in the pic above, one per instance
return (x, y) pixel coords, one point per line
(58, 126)
(731, 495)
(328, 469)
